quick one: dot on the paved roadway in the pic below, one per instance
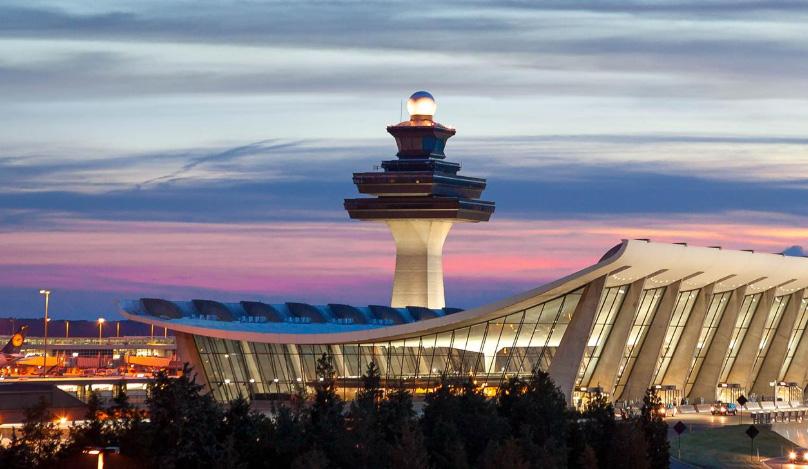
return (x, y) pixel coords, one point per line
(782, 463)
(699, 422)
(796, 432)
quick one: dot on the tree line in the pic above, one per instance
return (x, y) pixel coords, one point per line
(527, 425)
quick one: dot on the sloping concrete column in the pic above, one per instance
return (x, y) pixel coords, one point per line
(606, 369)
(796, 372)
(567, 359)
(643, 371)
(776, 353)
(380, 358)
(250, 362)
(339, 360)
(187, 352)
(679, 366)
(741, 370)
(418, 279)
(293, 355)
(708, 375)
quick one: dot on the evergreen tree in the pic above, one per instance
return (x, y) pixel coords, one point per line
(395, 414)
(245, 435)
(311, 459)
(287, 436)
(629, 446)
(599, 425)
(655, 431)
(371, 391)
(509, 394)
(444, 443)
(460, 421)
(408, 451)
(506, 454)
(365, 439)
(38, 443)
(183, 423)
(126, 425)
(537, 415)
(586, 459)
(326, 424)
(579, 454)
(90, 433)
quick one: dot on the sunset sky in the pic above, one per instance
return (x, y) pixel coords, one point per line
(202, 149)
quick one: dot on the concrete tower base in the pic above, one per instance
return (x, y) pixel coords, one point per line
(419, 262)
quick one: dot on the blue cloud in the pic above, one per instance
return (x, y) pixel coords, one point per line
(290, 180)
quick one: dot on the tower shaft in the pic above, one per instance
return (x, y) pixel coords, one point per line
(418, 279)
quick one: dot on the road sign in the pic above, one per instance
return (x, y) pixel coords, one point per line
(752, 431)
(742, 400)
(679, 428)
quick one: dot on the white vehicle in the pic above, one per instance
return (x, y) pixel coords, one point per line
(11, 352)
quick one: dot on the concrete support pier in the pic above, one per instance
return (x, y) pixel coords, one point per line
(419, 262)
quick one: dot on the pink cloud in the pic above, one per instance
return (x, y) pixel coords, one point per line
(340, 260)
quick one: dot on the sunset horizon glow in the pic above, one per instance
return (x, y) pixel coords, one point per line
(203, 149)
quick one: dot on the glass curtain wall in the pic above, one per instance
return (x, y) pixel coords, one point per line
(610, 301)
(772, 321)
(796, 335)
(712, 318)
(745, 314)
(487, 352)
(681, 312)
(649, 302)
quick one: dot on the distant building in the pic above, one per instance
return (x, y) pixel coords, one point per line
(76, 342)
(79, 361)
(16, 397)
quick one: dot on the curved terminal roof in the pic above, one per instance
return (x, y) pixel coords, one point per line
(659, 263)
(286, 318)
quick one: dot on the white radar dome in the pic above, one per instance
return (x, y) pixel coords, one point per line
(421, 103)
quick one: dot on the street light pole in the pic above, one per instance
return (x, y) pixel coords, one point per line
(46, 293)
(100, 324)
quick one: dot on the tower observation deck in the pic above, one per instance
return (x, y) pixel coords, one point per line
(419, 196)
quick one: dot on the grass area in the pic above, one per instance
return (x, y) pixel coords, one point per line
(729, 446)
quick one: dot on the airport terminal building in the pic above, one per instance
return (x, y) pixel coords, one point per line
(696, 323)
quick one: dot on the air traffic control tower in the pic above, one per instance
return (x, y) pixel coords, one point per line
(419, 196)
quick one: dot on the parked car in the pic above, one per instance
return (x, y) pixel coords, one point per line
(722, 408)
(667, 410)
(798, 456)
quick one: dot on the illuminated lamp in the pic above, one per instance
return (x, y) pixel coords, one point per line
(421, 105)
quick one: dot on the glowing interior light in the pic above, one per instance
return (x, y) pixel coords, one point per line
(421, 103)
